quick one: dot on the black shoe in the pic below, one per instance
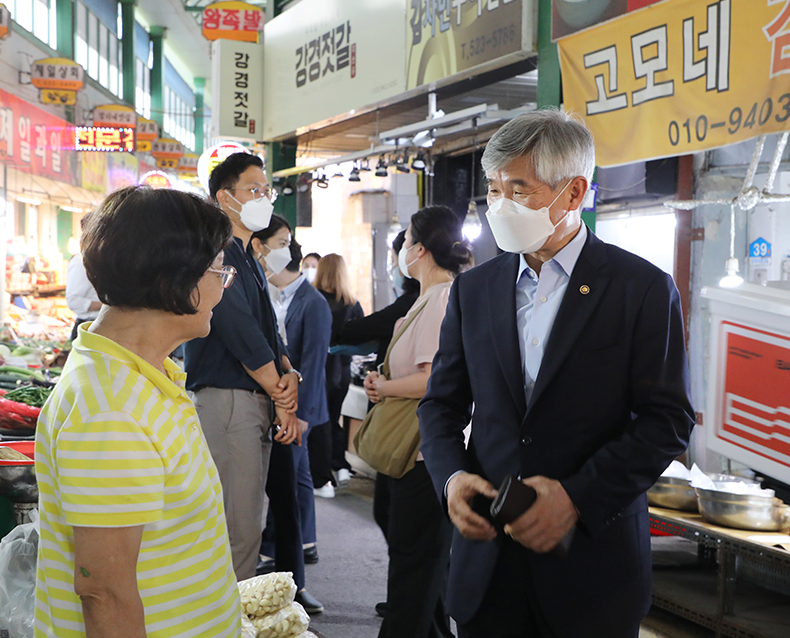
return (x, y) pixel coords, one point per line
(309, 602)
(381, 609)
(264, 567)
(311, 555)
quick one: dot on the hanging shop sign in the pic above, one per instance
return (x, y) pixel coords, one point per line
(58, 80)
(122, 170)
(147, 132)
(570, 16)
(237, 103)
(103, 138)
(94, 171)
(446, 38)
(5, 21)
(35, 141)
(680, 77)
(115, 115)
(213, 156)
(188, 166)
(156, 179)
(167, 152)
(233, 21)
(327, 57)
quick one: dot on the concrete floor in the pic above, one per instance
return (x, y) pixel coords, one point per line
(350, 577)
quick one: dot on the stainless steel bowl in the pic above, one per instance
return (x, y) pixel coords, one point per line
(743, 511)
(673, 493)
(18, 483)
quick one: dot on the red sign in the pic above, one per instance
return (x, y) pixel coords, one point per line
(103, 138)
(33, 141)
(755, 408)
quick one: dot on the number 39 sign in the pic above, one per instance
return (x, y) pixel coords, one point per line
(760, 251)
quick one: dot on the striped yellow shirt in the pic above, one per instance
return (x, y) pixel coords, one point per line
(119, 444)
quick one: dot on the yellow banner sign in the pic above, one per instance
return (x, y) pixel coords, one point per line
(681, 76)
(58, 96)
(56, 73)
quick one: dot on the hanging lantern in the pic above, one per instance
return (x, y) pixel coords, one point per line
(156, 179)
(215, 155)
(167, 152)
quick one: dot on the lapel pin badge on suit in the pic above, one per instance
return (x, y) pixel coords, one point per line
(585, 289)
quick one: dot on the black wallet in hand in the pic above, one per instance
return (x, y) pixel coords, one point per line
(515, 498)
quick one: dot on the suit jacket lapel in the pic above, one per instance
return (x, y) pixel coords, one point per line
(296, 303)
(502, 309)
(587, 284)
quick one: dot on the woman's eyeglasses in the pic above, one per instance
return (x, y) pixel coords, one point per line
(228, 274)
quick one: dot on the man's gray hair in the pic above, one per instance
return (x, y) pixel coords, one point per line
(558, 144)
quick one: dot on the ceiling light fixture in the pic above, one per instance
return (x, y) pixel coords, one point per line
(418, 163)
(29, 200)
(354, 176)
(72, 209)
(288, 189)
(381, 168)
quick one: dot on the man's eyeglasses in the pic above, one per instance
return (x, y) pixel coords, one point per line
(257, 193)
(228, 274)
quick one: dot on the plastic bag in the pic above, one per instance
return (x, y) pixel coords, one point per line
(18, 556)
(262, 595)
(289, 622)
(247, 628)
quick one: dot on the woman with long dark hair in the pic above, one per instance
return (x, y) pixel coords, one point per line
(419, 533)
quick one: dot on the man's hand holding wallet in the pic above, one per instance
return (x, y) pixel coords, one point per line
(537, 513)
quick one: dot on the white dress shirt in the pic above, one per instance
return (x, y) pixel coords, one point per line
(79, 290)
(537, 300)
(281, 300)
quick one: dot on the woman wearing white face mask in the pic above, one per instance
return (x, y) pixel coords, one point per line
(433, 253)
(270, 246)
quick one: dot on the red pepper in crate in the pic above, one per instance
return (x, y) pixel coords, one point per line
(16, 416)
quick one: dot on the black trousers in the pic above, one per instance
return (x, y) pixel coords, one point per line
(419, 550)
(381, 503)
(335, 397)
(286, 528)
(319, 448)
(510, 608)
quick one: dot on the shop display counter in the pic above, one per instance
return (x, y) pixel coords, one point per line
(734, 582)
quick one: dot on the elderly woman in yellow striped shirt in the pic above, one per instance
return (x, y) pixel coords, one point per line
(133, 535)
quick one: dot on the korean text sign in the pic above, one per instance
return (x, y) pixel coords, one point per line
(681, 76)
(237, 102)
(232, 20)
(33, 141)
(445, 37)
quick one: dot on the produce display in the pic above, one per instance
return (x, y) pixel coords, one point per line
(267, 602)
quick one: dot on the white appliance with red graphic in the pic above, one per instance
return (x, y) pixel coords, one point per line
(748, 403)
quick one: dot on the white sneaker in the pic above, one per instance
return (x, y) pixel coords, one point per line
(327, 491)
(343, 476)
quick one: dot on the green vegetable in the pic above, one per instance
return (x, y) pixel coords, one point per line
(26, 373)
(21, 351)
(30, 395)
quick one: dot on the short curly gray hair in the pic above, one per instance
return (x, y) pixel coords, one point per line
(559, 145)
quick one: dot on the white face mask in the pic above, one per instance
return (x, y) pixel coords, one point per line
(309, 274)
(278, 259)
(256, 213)
(404, 267)
(518, 229)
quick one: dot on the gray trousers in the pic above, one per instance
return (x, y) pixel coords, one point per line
(236, 425)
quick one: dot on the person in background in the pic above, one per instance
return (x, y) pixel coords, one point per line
(132, 526)
(379, 327)
(240, 374)
(571, 354)
(80, 294)
(419, 533)
(290, 522)
(310, 266)
(330, 442)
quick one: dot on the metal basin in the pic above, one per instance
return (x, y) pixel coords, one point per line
(677, 493)
(673, 493)
(743, 511)
(18, 478)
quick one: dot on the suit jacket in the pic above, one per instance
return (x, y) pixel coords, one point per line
(609, 411)
(308, 325)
